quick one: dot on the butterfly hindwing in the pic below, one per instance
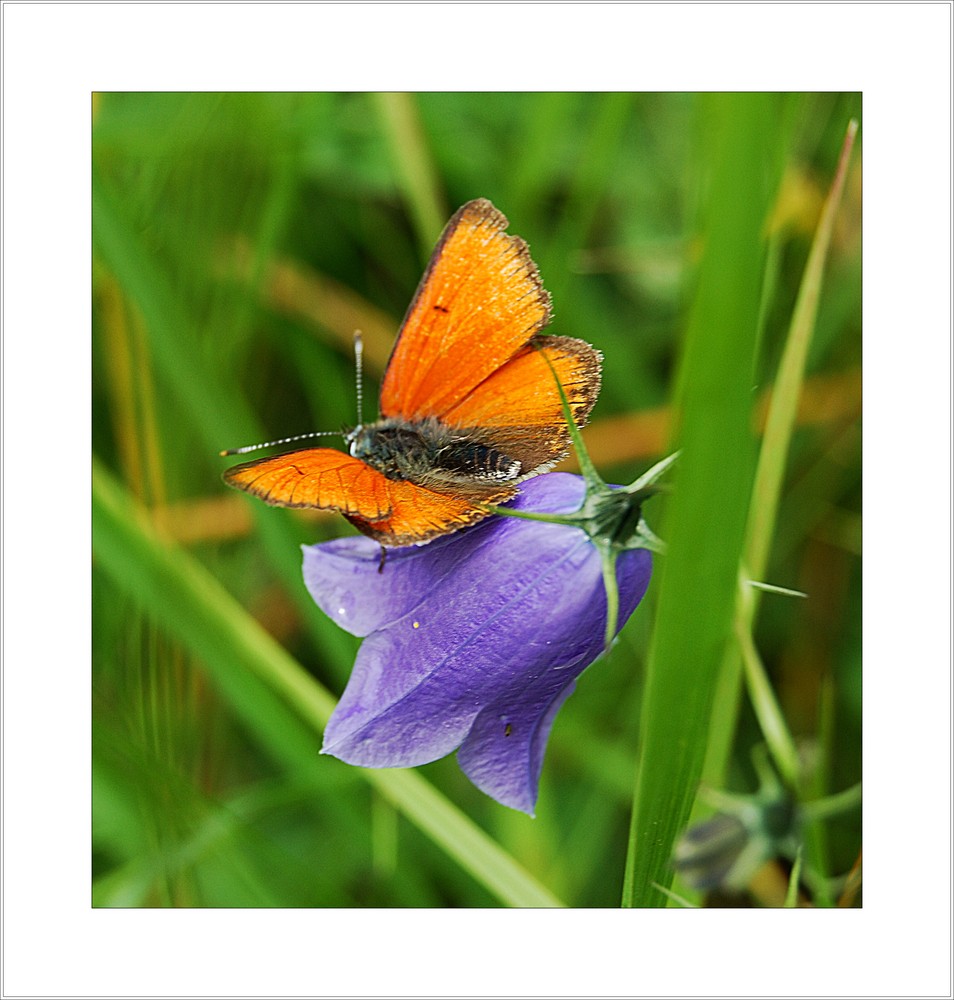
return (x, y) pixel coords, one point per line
(517, 410)
(420, 514)
(315, 477)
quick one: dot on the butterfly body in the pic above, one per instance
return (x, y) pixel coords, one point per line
(469, 402)
(430, 453)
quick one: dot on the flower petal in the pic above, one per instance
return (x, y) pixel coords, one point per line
(473, 640)
(503, 752)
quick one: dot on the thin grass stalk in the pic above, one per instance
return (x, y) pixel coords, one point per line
(767, 489)
(414, 165)
(743, 661)
(780, 422)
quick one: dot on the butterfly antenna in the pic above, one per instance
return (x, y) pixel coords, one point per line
(269, 444)
(358, 366)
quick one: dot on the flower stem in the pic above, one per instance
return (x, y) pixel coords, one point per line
(610, 586)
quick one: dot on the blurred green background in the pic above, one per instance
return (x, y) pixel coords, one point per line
(239, 240)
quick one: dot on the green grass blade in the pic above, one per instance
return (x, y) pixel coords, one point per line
(765, 499)
(713, 483)
(781, 416)
(284, 708)
(214, 410)
(450, 829)
(217, 413)
(774, 728)
(414, 165)
(791, 895)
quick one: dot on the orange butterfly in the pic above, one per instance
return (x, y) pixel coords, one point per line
(469, 405)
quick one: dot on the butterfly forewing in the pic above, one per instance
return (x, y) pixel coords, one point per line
(479, 302)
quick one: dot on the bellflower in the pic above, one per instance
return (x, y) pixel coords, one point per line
(473, 641)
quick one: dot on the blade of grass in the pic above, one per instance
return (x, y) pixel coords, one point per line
(216, 411)
(589, 181)
(743, 660)
(817, 786)
(417, 176)
(791, 896)
(706, 521)
(532, 174)
(780, 422)
(771, 720)
(283, 707)
(779, 426)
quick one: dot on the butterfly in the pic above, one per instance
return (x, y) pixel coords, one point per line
(469, 404)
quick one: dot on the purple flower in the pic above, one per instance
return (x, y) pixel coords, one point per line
(472, 642)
